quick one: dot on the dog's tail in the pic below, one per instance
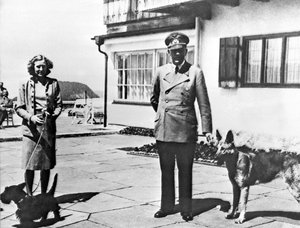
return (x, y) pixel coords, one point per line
(52, 190)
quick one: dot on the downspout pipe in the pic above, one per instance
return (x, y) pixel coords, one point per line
(198, 47)
(99, 42)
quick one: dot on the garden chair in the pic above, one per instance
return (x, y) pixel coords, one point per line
(10, 117)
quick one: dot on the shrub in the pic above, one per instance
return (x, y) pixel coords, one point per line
(137, 131)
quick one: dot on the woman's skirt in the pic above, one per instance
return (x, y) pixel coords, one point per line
(38, 151)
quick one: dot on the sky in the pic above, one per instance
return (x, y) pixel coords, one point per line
(59, 29)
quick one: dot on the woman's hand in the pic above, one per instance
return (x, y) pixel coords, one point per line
(209, 137)
(35, 119)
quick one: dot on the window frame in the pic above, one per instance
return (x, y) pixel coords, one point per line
(245, 54)
(131, 101)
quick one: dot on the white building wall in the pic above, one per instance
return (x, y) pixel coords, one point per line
(258, 110)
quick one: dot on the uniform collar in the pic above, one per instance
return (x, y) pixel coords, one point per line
(171, 79)
(184, 67)
(170, 71)
(179, 67)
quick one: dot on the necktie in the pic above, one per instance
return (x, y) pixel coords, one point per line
(176, 69)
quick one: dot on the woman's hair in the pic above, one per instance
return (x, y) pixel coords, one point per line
(30, 66)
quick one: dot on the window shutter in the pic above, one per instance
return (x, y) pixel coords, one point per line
(229, 62)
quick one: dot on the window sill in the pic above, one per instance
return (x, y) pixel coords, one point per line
(283, 86)
(129, 102)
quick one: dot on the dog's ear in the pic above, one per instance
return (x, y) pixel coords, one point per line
(218, 135)
(229, 137)
(21, 186)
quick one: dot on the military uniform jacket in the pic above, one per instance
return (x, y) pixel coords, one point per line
(173, 99)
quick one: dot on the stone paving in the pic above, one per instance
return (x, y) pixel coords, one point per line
(100, 185)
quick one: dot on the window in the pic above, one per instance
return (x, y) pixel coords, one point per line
(267, 61)
(271, 61)
(134, 75)
(135, 71)
(254, 62)
(292, 60)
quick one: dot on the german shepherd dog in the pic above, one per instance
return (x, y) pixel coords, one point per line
(31, 207)
(247, 167)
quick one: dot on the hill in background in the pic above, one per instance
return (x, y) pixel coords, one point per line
(75, 90)
(100, 93)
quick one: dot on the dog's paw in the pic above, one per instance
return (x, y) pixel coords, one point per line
(240, 220)
(231, 215)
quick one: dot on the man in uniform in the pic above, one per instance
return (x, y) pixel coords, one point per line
(176, 86)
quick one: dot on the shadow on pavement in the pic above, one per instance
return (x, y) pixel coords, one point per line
(76, 197)
(68, 198)
(48, 222)
(203, 205)
(287, 214)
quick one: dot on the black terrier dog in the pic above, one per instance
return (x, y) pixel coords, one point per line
(31, 208)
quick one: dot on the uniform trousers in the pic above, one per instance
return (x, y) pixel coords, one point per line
(183, 153)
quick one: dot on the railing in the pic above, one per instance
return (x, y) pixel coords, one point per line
(118, 11)
(150, 4)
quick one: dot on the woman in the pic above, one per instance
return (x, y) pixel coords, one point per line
(39, 104)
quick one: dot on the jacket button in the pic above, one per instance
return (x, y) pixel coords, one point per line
(167, 92)
(167, 100)
(166, 110)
